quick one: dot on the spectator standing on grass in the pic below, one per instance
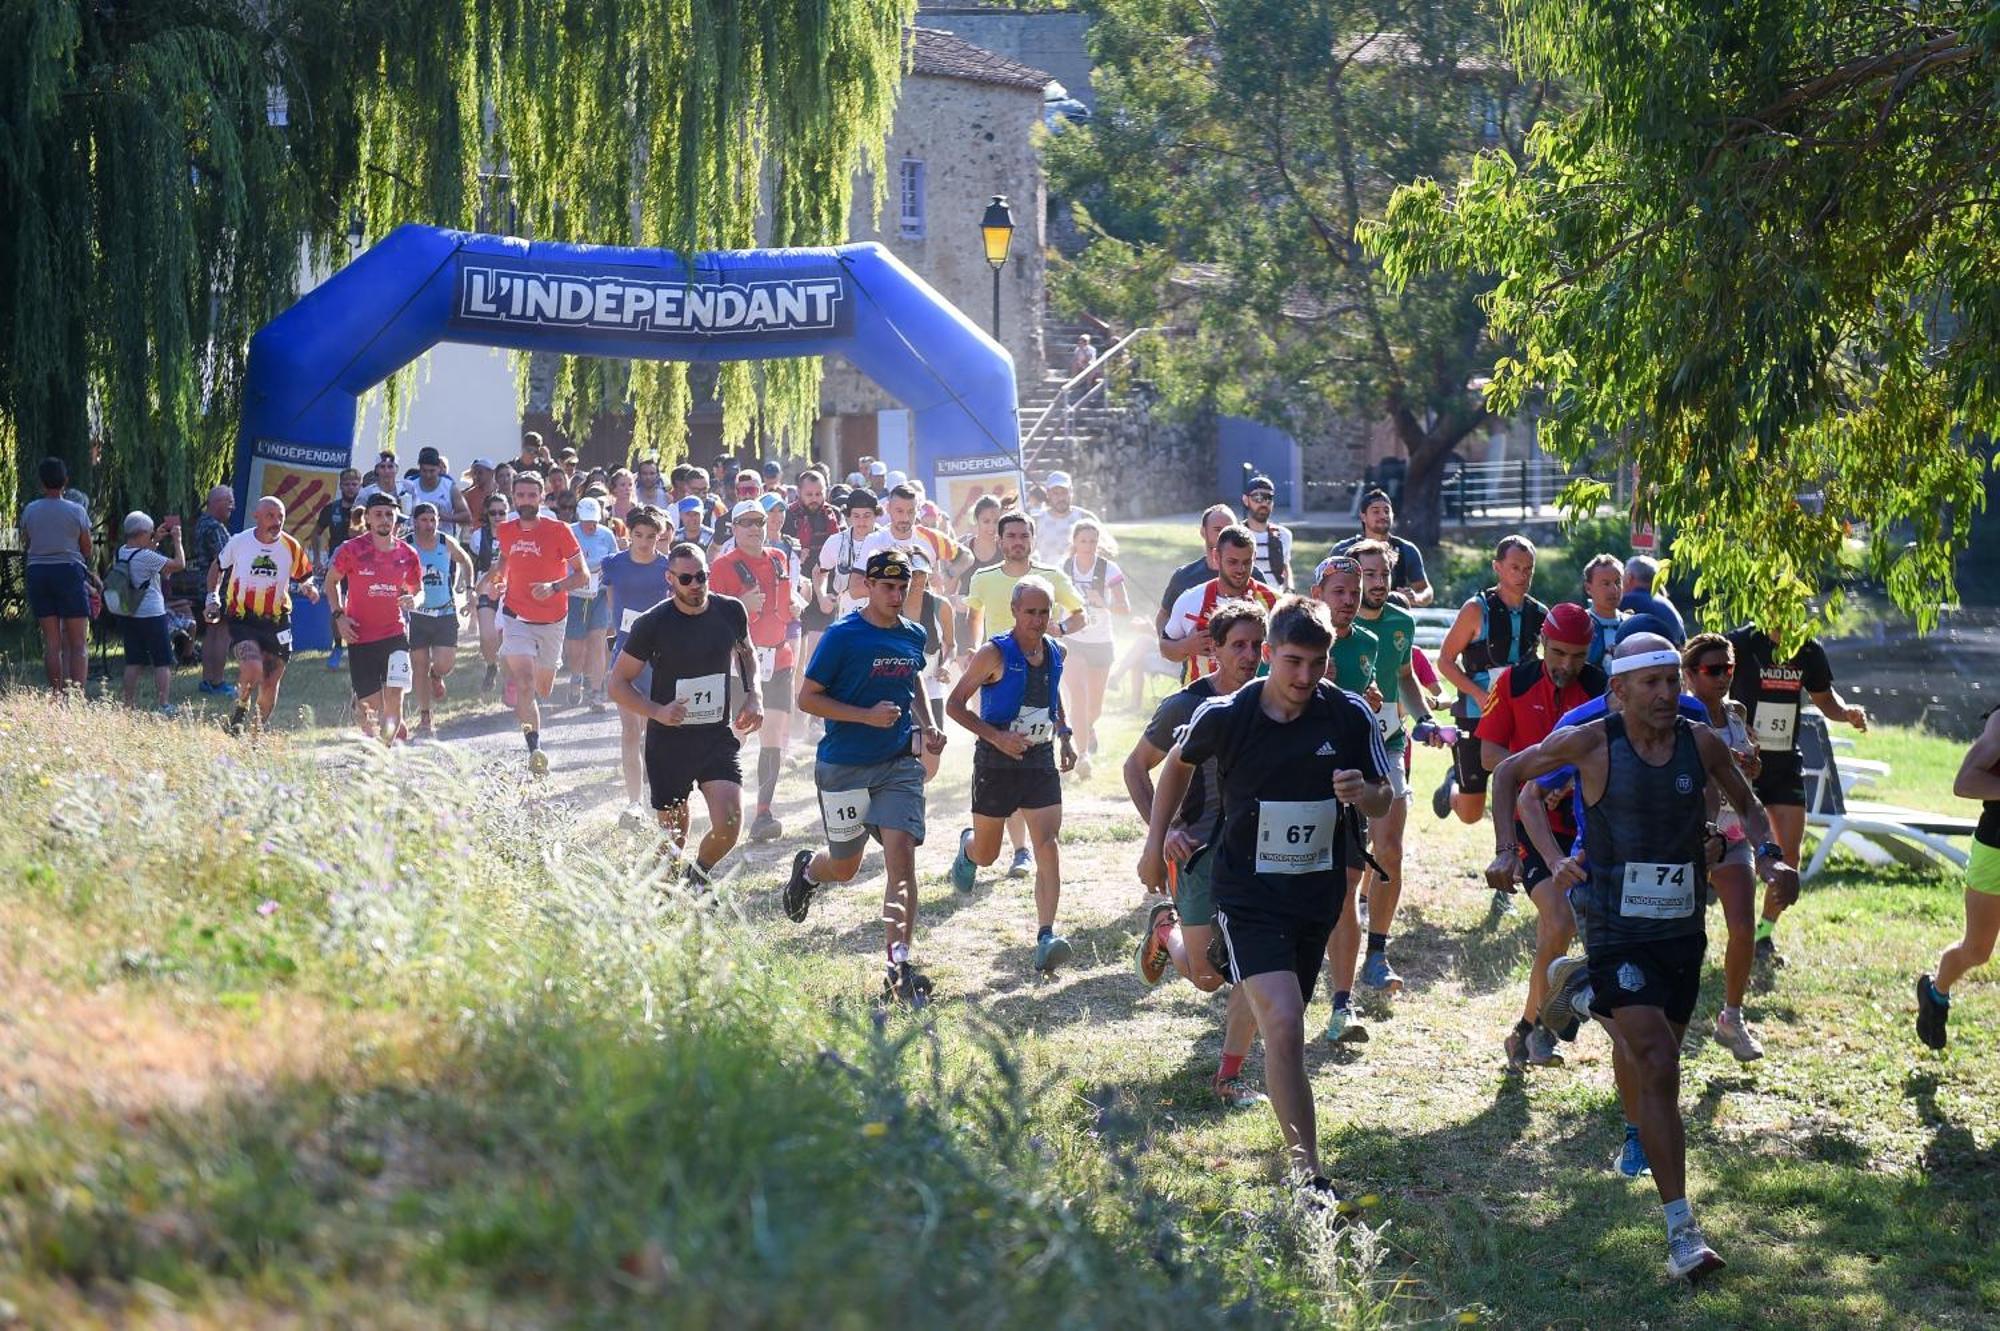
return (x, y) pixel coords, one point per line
(55, 534)
(211, 533)
(136, 593)
(1408, 584)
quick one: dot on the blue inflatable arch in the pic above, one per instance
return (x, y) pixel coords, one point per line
(421, 285)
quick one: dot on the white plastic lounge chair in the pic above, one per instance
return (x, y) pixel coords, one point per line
(1908, 836)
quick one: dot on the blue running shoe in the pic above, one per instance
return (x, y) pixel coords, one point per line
(1379, 975)
(1023, 865)
(336, 658)
(963, 870)
(1631, 1161)
(1051, 952)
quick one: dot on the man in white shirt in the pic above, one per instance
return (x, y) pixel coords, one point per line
(1274, 540)
(1054, 524)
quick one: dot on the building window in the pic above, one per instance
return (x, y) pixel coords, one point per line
(910, 193)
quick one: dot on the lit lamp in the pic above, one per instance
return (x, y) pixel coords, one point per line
(996, 228)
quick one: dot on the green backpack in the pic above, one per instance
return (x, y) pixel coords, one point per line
(121, 594)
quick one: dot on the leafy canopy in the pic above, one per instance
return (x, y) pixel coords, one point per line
(158, 209)
(1757, 261)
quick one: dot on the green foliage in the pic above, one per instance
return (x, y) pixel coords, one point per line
(1237, 149)
(1757, 263)
(159, 217)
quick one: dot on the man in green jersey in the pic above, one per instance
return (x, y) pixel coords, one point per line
(1352, 665)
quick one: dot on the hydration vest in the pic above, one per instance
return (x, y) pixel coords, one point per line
(1000, 701)
(1496, 644)
(1524, 676)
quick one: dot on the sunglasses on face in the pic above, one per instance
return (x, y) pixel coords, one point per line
(690, 579)
(1261, 497)
(1715, 671)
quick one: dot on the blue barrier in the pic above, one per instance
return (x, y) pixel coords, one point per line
(422, 285)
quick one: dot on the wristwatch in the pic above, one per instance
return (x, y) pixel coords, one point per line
(1770, 850)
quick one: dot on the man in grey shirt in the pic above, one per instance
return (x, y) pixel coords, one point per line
(55, 533)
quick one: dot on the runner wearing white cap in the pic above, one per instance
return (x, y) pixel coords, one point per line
(588, 632)
(1053, 524)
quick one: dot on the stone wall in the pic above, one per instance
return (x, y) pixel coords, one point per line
(1148, 465)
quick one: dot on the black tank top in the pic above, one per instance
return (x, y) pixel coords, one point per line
(1644, 841)
(1988, 831)
(1036, 693)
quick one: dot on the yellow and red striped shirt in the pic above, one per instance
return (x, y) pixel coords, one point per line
(260, 574)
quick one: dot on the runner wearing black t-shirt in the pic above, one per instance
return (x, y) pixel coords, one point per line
(1772, 691)
(698, 647)
(1296, 759)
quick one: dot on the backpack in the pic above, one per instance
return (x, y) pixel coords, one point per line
(121, 594)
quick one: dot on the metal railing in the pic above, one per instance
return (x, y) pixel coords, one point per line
(1067, 404)
(1515, 487)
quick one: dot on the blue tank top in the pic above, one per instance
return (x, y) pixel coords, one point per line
(436, 563)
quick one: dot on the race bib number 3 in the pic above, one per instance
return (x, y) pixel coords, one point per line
(1777, 724)
(1657, 891)
(1389, 718)
(845, 813)
(707, 699)
(1295, 836)
(1036, 724)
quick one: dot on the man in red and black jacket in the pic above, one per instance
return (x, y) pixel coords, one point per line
(1528, 699)
(809, 522)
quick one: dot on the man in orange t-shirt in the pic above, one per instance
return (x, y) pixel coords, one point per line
(761, 578)
(537, 560)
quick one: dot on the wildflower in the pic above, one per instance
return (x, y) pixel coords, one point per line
(267, 908)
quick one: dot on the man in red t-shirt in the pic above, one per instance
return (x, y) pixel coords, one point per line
(537, 560)
(761, 578)
(1528, 700)
(372, 586)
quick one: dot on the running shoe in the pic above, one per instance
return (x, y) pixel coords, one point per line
(1765, 955)
(1153, 958)
(1561, 1013)
(1052, 952)
(1318, 1194)
(223, 690)
(578, 691)
(766, 828)
(1238, 1093)
(1379, 975)
(1631, 1160)
(1342, 1028)
(1082, 768)
(492, 677)
(798, 892)
(1502, 906)
(1441, 797)
(1024, 863)
(963, 871)
(635, 816)
(1931, 1014)
(904, 984)
(1542, 1051)
(336, 658)
(1688, 1255)
(1735, 1035)
(1516, 1046)
(538, 763)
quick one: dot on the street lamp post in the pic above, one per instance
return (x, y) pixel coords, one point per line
(996, 228)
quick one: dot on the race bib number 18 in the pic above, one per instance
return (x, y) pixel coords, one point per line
(845, 813)
(1657, 891)
(1295, 836)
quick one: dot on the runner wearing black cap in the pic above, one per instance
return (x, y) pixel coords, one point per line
(1274, 540)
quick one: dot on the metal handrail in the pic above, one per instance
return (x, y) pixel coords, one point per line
(1093, 368)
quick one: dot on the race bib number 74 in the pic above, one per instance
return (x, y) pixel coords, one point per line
(1657, 891)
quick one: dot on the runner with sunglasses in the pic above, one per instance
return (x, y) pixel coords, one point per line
(697, 646)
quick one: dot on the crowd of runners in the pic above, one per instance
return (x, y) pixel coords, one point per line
(1631, 771)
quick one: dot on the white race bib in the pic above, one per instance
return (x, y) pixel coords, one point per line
(628, 619)
(589, 588)
(706, 696)
(1035, 723)
(284, 637)
(1295, 836)
(845, 813)
(1776, 723)
(767, 664)
(1389, 718)
(1657, 891)
(400, 673)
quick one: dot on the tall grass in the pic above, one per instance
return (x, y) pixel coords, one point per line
(567, 1092)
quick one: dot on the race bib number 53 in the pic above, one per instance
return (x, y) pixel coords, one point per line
(1295, 836)
(1776, 724)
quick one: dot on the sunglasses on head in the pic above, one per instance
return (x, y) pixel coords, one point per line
(691, 579)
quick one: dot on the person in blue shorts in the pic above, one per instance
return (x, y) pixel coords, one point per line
(864, 680)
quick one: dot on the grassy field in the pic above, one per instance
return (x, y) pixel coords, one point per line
(297, 1035)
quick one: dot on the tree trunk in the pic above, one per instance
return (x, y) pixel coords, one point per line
(1421, 517)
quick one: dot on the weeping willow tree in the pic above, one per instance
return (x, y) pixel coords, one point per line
(173, 165)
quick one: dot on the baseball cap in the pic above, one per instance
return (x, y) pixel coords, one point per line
(566, 455)
(862, 497)
(1569, 624)
(589, 510)
(691, 504)
(483, 462)
(1055, 478)
(888, 564)
(1259, 482)
(749, 508)
(837, 496)
(381, 499)
(771, 501)
(429, 457)
(898, 478)
(878, 468)
(773, 469)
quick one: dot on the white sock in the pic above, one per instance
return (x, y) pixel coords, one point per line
(898, 953)
(1678, 1213)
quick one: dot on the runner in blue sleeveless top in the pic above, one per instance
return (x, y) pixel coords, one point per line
(1014, 767)
(447, 569)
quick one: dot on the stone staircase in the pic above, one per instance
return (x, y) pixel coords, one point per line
(1067, 436)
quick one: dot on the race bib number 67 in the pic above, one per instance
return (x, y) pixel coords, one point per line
(1295, 836)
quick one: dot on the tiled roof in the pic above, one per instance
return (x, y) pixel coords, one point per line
(948, 56)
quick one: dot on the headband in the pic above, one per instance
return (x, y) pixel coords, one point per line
(1625, 665)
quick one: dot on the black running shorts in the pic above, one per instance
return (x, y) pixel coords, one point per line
(680, 758)
(1263, 942)
(999, 792)
(1465, 761)
(1664, 973)
(1780, 780)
